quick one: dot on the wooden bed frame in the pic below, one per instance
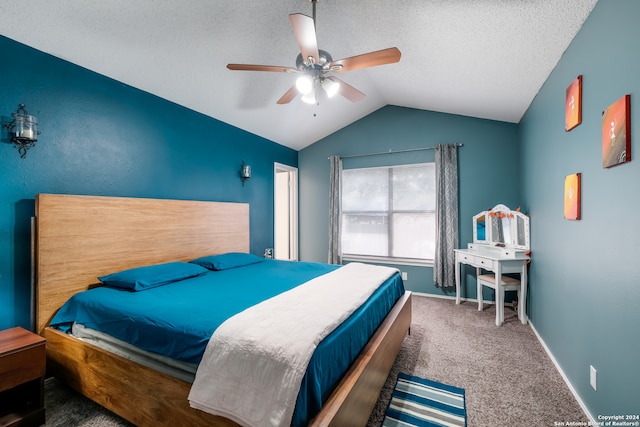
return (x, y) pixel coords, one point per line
(79, 238)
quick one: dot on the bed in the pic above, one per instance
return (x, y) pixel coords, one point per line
(79, 238)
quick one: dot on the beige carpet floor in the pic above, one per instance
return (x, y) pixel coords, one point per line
(508, 378)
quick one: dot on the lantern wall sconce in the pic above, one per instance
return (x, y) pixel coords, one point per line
(23, 130)
(245, 172)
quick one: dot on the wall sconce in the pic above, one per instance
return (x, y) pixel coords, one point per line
(23, 130)
(245, 172)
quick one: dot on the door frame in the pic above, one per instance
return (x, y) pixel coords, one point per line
(293, 208)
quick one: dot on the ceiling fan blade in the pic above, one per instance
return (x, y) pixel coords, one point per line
(348, 91)
(288, 96)
(250, 67)
(371, 59)
(304, 30)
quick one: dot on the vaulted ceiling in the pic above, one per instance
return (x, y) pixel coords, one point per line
(479, 58)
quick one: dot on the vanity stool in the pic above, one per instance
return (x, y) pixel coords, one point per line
(508, 283)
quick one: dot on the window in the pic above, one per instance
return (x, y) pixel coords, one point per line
(388, 213)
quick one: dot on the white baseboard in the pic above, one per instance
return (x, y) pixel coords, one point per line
(451, 297)
(564, 377)
(422, 294)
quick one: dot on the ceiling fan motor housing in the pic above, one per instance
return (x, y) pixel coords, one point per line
(324, 59)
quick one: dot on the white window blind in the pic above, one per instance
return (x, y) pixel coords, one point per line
(388, 213)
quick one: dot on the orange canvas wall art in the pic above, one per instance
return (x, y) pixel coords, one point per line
(573, 106)
(616, 133)
(572, 196)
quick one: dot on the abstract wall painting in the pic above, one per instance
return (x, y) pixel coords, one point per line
(616, 133)
(572, 196)
(573, 106)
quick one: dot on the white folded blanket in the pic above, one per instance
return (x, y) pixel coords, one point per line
(254, 363)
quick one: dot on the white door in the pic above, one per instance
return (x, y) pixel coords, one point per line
(285, 216)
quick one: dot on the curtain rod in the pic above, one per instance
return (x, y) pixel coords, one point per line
(393, 152)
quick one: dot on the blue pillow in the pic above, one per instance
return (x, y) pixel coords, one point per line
(226, 261)
(138, 279)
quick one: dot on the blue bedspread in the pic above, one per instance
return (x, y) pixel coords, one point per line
(178, 319)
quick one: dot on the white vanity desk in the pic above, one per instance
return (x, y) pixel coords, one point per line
(510, 231)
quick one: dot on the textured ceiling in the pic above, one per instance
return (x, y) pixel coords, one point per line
(479, 58)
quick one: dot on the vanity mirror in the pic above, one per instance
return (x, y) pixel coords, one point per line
(480, 229)
(500, 226)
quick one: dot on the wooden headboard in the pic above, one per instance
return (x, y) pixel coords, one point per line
(79, 238)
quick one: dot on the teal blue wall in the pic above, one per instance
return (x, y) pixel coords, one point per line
(488, 166)
(102, 137)
(585, 281)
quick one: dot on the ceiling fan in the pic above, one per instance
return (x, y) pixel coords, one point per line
(317, 65)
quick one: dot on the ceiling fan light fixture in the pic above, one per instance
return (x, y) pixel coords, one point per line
(330, 87)
(304, 84)
(309, 98)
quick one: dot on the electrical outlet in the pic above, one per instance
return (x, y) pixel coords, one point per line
(404, 275)
(593, 376)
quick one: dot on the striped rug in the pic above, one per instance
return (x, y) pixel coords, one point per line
(419, 402)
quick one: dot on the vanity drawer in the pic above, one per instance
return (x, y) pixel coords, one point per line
(466, 258)
(513, 253)
(483, 263)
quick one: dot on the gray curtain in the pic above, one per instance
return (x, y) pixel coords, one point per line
(335, 194)
(446, 215)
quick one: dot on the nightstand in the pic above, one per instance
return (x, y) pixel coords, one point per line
(22, 370)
